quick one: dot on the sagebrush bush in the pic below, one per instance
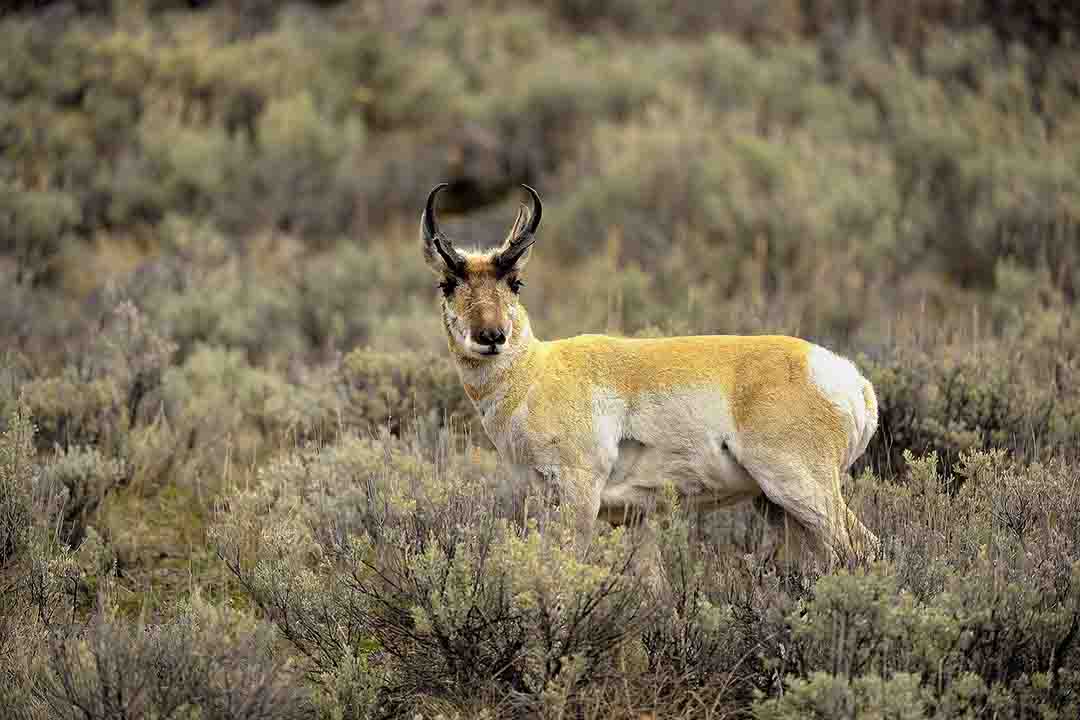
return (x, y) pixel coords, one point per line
(69, 410)
(39, 578)
(17, 469)
(966, 399)
(35, 226)
(395, 390)
(400, 562)
(218, 407)
(204, 661)
(354, 296)
(98, 396)
(972, 573)
(396, 557)
(81, 478)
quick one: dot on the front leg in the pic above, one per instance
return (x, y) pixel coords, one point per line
(582, 490)
(576, 492)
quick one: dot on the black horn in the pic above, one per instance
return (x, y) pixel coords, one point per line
(537, 211)
(433, 235)
(431, 229)
(524, 239)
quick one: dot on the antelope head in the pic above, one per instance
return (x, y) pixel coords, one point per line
(480, 303)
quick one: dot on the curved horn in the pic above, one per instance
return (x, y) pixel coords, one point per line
(431, 229)
(432, 234)
(537, 211)
(519, 244)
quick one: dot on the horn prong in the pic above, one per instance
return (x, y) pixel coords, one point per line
(520, 243)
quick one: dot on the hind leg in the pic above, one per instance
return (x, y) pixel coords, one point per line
(810, 496)
(790, 544)
(863, 543)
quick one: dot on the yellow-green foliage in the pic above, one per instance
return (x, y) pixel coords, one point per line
(16, 477)
(80, 478)
(405, 549)
(70, 411)
(396, 389)
(396, 545)
(219, 665)
(970, 398)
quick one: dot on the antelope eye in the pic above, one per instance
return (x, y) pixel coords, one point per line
(515, 285)
(448, 286)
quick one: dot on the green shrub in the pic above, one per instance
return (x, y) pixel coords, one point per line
(831, 696)
(217, 408)
(14, 372)
(34, 324)
(98, 397)
(293, 179)
(132, 352)
(407, 84)
(394, 390)
(352, 296)
(70, 411)
(860, 641)
(965, 189)
(38, 576)
(305, 160)
(954, 401)
(17, 468)
(974, 611)
(566, 91)
(82, 478)
(204, 661)
(206, 294)
(403, 567)
(280, 305)
(640, 17)
(34, 226)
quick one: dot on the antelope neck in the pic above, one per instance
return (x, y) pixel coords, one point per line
(488, 381)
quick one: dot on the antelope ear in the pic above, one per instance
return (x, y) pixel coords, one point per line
(440, 255)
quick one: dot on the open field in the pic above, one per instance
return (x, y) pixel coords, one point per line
(239, 477)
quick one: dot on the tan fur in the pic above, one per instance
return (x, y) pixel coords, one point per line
(608, 422)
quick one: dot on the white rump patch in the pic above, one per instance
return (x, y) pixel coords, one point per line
(841, 382)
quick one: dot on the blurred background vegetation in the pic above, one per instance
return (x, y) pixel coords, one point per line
(220, 353)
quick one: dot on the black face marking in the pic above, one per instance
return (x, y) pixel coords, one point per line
(448, 286)
(515, 284)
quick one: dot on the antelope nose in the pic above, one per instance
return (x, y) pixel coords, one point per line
(491, 337)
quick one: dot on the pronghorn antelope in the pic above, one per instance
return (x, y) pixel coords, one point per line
(609, 422)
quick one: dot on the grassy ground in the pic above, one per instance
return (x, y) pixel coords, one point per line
(236, 454)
